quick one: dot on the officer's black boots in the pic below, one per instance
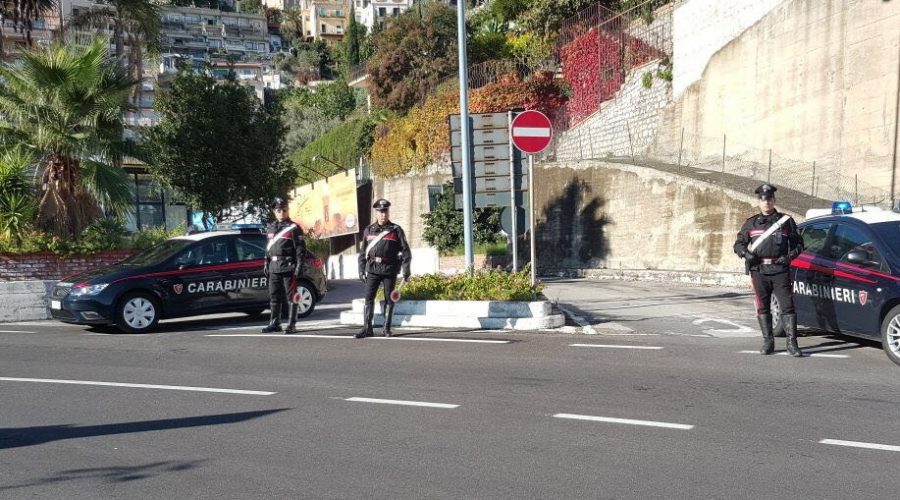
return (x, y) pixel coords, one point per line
(292, 320)
(274, 319)
(790, 331)
(388, 319)
(366, 330)
(765, 325)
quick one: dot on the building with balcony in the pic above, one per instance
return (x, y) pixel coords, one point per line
(325, 19)
(377, 13)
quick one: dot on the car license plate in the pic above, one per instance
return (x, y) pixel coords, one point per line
(55, 304)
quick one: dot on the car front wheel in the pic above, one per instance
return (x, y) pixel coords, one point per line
(777, 324)
(137, 313)
(890, 334)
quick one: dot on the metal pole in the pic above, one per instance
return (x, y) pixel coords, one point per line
(512, 197)
(681, 146)
(466, 130)
(769, 175)
(813, 188)
(531, 221)
(724, 137)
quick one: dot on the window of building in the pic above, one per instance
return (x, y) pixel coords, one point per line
(396, 11)
(382, 11)
(339, 13)
(323, 29)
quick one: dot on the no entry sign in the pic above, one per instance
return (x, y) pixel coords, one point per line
(531, 131)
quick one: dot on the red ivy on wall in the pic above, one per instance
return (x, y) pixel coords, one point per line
(595, 64)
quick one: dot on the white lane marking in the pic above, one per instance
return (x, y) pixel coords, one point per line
(15, 331)
(858, 444)
(304, 328)
(281, 336)
(611, 346)
(137, 386)
(428, 339)
(805, 354)
(739, 330)
(402, 403)
(612, 326)
(531, 132)
(628, 421)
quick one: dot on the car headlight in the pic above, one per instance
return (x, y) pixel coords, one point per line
(88, 289)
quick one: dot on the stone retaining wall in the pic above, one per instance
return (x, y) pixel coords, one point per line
(50, 266)
(24, 300)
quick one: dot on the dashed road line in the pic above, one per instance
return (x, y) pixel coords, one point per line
(805, 354)
(138, 386)
(15, 331)
(402, 403)
(432, 339)
(280, 336)
(626, 421)
(612, 346)
(858, 444)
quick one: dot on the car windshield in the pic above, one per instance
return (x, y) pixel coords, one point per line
(158, 253)
(890, 234)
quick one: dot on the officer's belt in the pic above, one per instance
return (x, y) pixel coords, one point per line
(380, 260)
(768, 261)
(276, 258)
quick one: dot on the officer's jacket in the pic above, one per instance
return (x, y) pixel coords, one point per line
(775, 254)
(285, 249)
(389, 255)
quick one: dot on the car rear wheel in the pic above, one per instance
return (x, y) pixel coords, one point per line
(305, 298)
(890, 334)
(777, 325)
(137, 313)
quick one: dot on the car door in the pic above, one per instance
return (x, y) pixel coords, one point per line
(250, 250)
(808, 273)
(856, 291)
(200, 287)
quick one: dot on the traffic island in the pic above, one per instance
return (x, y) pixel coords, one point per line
(474, 314)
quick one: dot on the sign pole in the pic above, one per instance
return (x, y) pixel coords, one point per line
(531, 213)
(466, 129)
(512, 198)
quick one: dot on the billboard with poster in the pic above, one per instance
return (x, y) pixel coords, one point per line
(327, 208)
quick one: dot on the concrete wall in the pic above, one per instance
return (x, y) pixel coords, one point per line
(24, 300)
(409, 200)
(702, 27)
(812, 80)
(593, 214)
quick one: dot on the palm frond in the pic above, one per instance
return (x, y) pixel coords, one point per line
(107, 184)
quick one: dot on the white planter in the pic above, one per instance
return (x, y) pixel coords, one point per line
(485, 315)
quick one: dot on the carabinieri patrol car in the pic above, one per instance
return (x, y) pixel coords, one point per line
(203, 273)
(847, 280)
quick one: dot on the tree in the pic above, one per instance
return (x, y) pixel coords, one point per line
(292, 25)
(250, 6)
(444, 224)
(308, 115)
(135, 24)
(218, 145)
(413, 55)
(545, 17)
(18, 205)
(22, 14)
(64, 104)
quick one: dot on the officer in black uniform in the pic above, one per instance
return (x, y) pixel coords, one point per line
(769, 267)
(385, 253)
(284, 263)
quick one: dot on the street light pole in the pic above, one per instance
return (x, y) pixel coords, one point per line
(466, 130)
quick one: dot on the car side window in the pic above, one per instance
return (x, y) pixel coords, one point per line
(204, 254)
(814, 236)
(847, 239)
(250, 248)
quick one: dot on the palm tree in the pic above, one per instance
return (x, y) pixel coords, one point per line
(292, 24)
(64, 104)
(134, 24)
(23, 13)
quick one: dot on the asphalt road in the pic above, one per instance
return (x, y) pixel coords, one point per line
(655, 406)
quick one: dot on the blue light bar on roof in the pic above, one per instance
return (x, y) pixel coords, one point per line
(841, 207)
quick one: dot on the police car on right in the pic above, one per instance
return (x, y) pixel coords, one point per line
(847, 280)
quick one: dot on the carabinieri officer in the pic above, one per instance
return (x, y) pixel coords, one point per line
(385, 254)
(768, 253)
(284, 263)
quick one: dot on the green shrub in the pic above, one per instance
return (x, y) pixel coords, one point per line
(146, 238)
(321, 248)
(105, 234)
(488, 284)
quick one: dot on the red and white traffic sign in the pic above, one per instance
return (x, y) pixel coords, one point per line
(531, 131)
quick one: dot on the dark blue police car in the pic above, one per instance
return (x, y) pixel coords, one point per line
(203, 273)
(847, 280)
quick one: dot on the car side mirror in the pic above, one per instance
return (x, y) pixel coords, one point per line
(857, 257)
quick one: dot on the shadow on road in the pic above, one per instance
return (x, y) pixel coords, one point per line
(119, 474)
(18, 437)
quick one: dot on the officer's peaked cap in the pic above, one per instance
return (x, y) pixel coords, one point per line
(766, 190)
(381, 204)
(279, 203)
